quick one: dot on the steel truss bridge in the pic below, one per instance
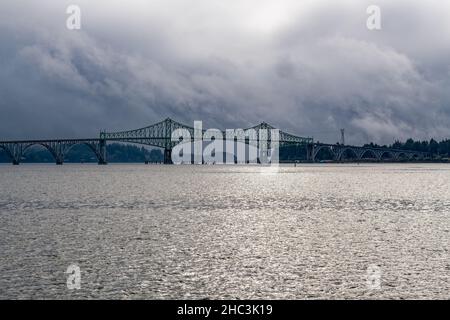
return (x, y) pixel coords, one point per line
(160, 135)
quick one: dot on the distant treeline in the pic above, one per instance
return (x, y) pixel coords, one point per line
(437, 149)
(81, 153)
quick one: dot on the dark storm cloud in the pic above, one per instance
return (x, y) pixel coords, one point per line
(309, 67)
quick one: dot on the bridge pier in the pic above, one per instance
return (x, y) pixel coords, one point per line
(310, 153)
(102, 153)
(168, 156)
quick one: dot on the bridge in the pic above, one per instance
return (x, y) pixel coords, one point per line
(160, 135)
(367, 153)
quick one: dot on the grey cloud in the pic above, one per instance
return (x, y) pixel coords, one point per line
(131, 66)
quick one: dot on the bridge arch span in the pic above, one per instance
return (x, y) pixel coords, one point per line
(7, 151)
(347, 150)
(389, 155)
(90, 146)
(328, 148)
(370, 151)
(402, 156)
(45, 145)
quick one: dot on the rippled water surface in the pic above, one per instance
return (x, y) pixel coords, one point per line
(164, 232)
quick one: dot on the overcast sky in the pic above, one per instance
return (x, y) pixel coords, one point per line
(307, 67)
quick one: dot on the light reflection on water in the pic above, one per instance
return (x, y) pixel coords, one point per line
(309, 231)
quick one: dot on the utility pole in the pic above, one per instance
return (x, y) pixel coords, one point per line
(343, 136)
